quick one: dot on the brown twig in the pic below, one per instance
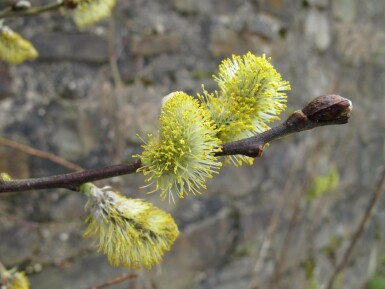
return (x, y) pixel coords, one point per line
(298, 209)
(286, 241)
(112, 54)
(18, 221)
(324, 110)
(118, 86)
(271, 229)
(360, 229)
(9, 12)
(70, 181)
(39, 153)
(115, 280)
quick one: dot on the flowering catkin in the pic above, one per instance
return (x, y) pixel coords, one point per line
(182, 156)
(89, 12)
(12, 279)
(14, 48)
(251, 94)
(132, 233)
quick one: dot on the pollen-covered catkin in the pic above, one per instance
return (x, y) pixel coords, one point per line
(132, 233)
(12, 279)
(182, 156)
(251, 94)
(14, 48)
(89, 12)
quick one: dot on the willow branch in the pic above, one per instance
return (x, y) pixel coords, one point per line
(115, 281)
(39, 153)
(360, 229)
(323, 110)
(13, 11)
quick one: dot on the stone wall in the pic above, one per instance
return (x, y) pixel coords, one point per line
(70, 103)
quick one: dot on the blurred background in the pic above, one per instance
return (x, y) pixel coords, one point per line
(282, 223)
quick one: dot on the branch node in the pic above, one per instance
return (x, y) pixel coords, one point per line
(21, 5)
(254, 151)
(70, 4)
(297, 119)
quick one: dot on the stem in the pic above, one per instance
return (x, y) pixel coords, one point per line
(39, 153)
(112, 54)
(360, 229)
(324, 110)
(8, 12)
(115, 281)
(286, 242)
(253, 146)
(271, 229)
(2, 270)
(71, 181)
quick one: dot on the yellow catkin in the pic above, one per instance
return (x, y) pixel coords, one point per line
(19, 281)
(182, 156)
(4, 177)
(14, 48)
(251, 95)
(89, 12)
(132, 233)
(13, 279)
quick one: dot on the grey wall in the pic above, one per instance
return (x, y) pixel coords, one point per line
(67, 102)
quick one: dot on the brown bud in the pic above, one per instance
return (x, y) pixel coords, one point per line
(329, 109)
(70, 4)
(21, 5)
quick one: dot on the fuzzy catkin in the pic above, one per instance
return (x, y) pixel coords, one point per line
(132, 233)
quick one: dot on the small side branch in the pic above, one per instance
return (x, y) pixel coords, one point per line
(39, 153)
(15, 11)
(360, 229)
(324, 110)
(116, 280)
